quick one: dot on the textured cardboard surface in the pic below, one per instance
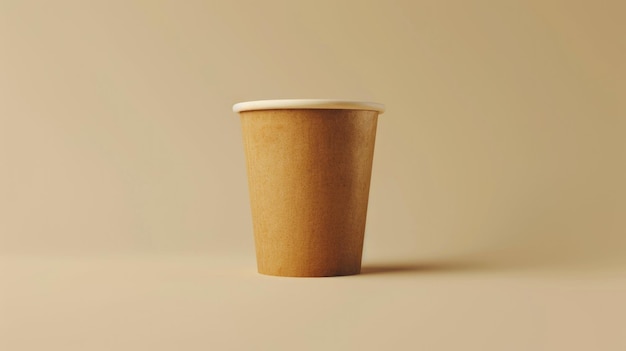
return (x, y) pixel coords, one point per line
(309, 177)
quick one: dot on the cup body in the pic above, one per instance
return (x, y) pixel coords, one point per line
(309, 177)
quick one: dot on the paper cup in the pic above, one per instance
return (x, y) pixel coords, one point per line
(309, 164)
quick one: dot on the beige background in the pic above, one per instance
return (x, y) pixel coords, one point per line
(497, 209)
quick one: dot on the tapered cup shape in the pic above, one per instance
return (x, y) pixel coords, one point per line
(309, 174)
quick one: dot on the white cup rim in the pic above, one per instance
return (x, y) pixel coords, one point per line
(326, 104)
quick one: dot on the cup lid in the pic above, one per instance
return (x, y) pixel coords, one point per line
(325, 104)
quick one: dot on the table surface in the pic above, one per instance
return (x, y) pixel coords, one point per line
(219, 302)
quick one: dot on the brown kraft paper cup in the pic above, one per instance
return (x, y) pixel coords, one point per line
(309, 174)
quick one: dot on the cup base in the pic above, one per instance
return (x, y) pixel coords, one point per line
(309, 275)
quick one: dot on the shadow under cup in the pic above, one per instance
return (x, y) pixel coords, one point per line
(309, 173)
